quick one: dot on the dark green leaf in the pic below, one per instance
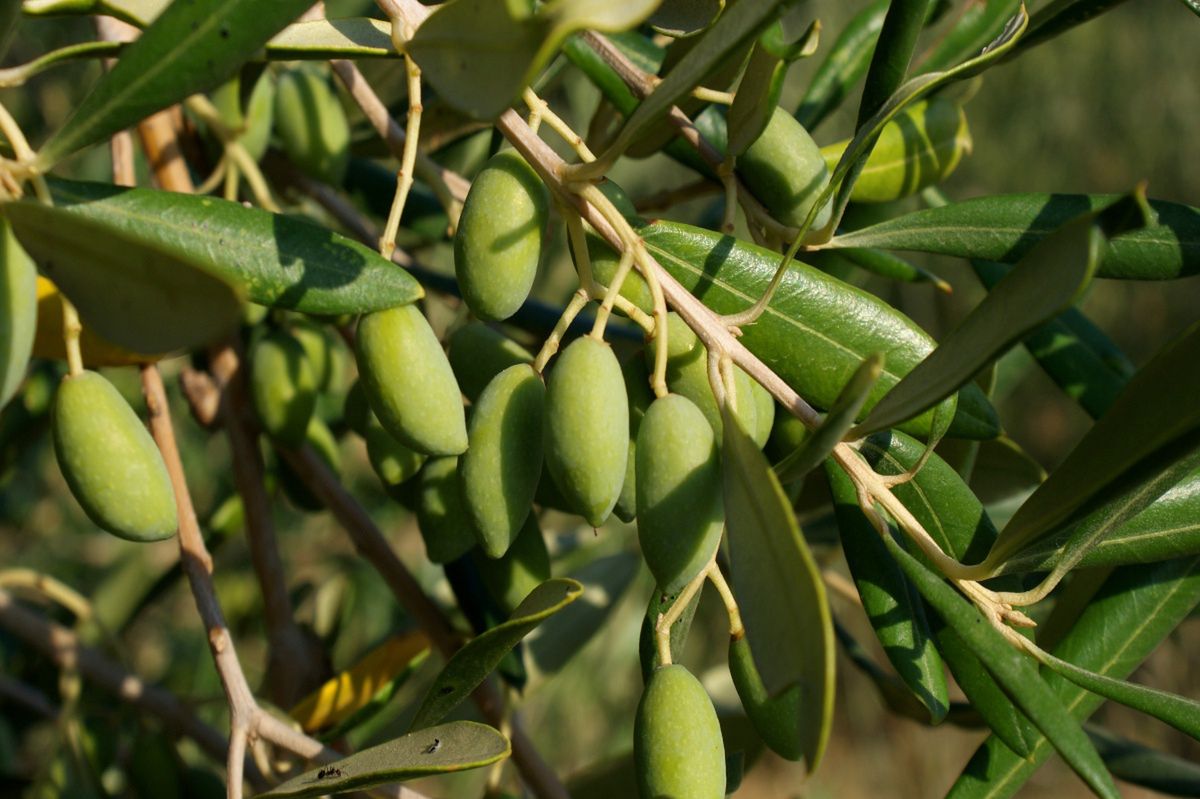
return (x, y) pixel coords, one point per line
(890, 602)
(1152, 416)
(1141, 765)
(893, 51)
(471, 665)
(136, 12)
(17, 75)
(845, 64)
(816, 447)
(779, 589)
(457, 746)
(685, 17)
(1133, 611)
(18, 312)
(1006, 227)
(1059, 16)
(276, 260)
(1168, 528)
(890, 266)
(1015, 672)
(191, 47)
(1043, 284)
(978, 25)
(816, 330)
(1194, 5)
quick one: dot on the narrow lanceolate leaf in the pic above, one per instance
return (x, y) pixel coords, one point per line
(469, 666)
(1131, 613)
(736, 26)
(1014, 671)
(1060, 16)
(779, 589)
(1042, 285)
(820, 442)
(1182, 714)
(457, 746)
(816, 330)
(19, 74)
(1169, 528)
(1146, 767)
(893, 51)
(136, 12)
(1156, 416)
(353, 37)
(1006, 227)
(844, 65)
(190, 47)
(978, 25)
(273, 259)
(890, 602)
(18, 312)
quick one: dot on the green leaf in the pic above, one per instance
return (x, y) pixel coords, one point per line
(1058, 17)
(353, 37)
(844, 65)
(1133, 611)
(779, 589)
(275, 260)
(890, 266)
(816, 330)
(17, 75)
(1182, 714)
(978, 25)
(756, 99)
(1045, 282)
(735, 27)
(1155, 412)
(890, 602)
(893, 51)
(18, 312)
(1006, 227)
(680, 18)
(1015, 672)
(471, 665)
(813, 451)
(479, 57)
(1168, 528)
(457, 746)
(1146, 767)
(191, 47)
(136, 12)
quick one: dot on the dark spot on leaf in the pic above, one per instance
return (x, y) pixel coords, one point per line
(446, 689)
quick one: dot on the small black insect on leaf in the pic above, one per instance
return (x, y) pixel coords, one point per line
(433, 747)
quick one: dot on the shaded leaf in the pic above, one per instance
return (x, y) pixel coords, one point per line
(978, 24)
(779, 589)
(189, 48)
(1168, 528)
(889, 265)
(17, 75)
(471, 665)
(1006, 227)
(1141, 765)
(892, 605)
(1155, 412)
(353, 37)
(457, 746)
(844, 65)
(894, 49)
(1015, 672)
(276, 260)
(1058, 17)
(816, 330)
(18, 312)
(816, 447)
(1133, 611)
(136, 12)
(685, 17)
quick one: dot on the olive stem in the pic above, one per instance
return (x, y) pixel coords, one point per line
(202, 107)
(52, 589)
(665, 621)
(557, 124)
(24, 153)
(72, 328)
(611, 293)
(578, 300)
(404, 177)
(713, 572)
(712, 95)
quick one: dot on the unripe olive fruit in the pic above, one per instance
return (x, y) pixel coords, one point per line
(680, 513)
(18, 312)
(317, 349)
(253, 125)
(282, 387)
(408, 381)
(587, 428)
(637, 387)
(525, 565)
(785, 170)
(677, 746)
(311, 124)
(503, 461)
(499, 238)
(110, 461)
(441, 514)
(478, 353)
(394, 463)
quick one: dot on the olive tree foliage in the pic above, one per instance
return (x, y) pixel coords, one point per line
(301, 195)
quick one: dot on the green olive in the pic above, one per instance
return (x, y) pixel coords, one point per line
(18, 312)
(479, 352)
(677, 745)
(503, 462)
(680, 513)
(282, 387)
(637, 386)
(785, 170)
(110, 461)
(311, 124)
(408, 381)
(394, 463)
(442, 516)
(498, 242)
(587, 428)
(525, 565)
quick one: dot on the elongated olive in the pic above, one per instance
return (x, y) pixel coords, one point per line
(441, 514)
(479, 352)
(282, 387)
(785, 170)
(677, 746)
(311, 123)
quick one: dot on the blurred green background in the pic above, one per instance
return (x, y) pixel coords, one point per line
(1097, 110)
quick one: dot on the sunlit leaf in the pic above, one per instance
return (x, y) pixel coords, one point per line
(844, 65)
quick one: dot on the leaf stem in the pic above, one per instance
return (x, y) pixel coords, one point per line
(665, 621)
(404, 177)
